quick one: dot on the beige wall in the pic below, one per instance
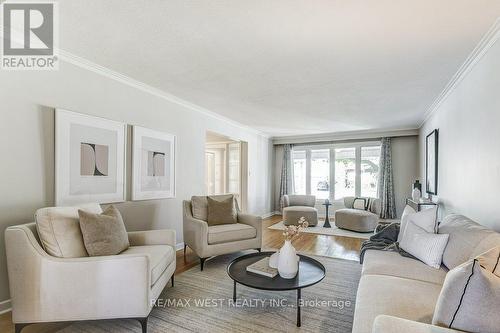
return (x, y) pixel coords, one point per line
(27, 107)
(469, 135)
(405, 165)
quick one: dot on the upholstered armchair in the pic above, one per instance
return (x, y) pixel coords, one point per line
(208, 241)
(297, 206)
(359, 214)
(44, 288)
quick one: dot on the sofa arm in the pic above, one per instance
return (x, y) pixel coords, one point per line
(252, 220)
(390, 324)
(46, 288)
(152, 237)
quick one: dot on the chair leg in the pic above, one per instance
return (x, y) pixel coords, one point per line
(144, 324)
(19, 327)
(172, 278)
(202, 262)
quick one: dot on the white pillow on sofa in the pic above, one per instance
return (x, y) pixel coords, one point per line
(425, 219)
(425, 246)
(470, 297)
(404, 220)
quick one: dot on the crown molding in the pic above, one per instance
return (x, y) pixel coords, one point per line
(488, 40)
(344, 136)
(124, 79)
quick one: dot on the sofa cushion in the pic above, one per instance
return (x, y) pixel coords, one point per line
(160, 256)
(59, 230)
(394, 296)
(470, 292)
(465, 236)
(390, 324)
(103, 234)
(199, 205)
(221, 211)
(393, 264)
(230, 232)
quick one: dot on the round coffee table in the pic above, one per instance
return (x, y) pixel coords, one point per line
(310, 272)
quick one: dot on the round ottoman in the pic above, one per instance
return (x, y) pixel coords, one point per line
(356, 220)
(292, 214)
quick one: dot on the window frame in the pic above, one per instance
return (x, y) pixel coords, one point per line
(357, 148)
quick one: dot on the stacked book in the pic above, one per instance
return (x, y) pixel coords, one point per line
(261, 267)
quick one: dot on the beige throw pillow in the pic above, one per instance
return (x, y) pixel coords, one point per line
(199, 205)
(221, 212)
(103, 234)
(470, 296)
(59, 230)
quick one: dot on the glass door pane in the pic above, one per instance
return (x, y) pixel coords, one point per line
(345, 172)
(233, 185)
(370, 159)
(320, 173)
(299, 171)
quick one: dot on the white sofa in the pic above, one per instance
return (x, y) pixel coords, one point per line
(398, 294)
(44, 288)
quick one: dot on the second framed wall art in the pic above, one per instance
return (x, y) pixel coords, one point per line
(153, 164)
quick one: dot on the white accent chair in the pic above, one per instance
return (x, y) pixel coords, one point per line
(45, 288)
(359, 219)
(209, 241)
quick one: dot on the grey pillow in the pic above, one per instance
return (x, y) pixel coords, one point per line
(470, 293)
(199, 205)
(221, 212)
(103, 234)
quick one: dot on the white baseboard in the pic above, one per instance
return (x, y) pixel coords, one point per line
(5, 306)
(179, 246)
(265, 216)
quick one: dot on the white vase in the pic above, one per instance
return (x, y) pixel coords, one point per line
(274, 259)
(288, 265)
(416, 194)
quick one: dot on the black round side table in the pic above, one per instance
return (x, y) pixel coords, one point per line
(310, 272)
(327, 204)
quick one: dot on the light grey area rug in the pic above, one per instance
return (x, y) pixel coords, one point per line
(202, 302)
(318, 229)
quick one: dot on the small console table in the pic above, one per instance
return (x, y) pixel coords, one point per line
(418, 205)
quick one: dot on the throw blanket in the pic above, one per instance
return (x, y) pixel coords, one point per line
(384, 239)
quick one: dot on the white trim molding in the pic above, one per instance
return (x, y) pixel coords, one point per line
(5, 306)
(104, 71)
(267, 215)
(344, 136)
(488, 40)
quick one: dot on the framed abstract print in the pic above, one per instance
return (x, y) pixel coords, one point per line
(431, 162)
(89, 159)
(153, 164)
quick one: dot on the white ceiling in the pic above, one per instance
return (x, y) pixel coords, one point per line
(286, 67)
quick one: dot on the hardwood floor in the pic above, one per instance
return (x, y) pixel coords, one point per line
(322, 245)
